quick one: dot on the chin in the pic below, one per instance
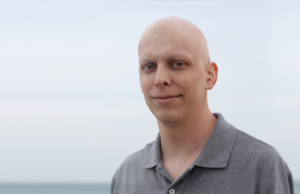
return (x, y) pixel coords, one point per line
(167, 117)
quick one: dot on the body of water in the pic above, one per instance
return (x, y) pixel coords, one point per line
(67, 188)
(54, 188)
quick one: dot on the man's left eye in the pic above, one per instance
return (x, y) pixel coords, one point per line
(178, 64)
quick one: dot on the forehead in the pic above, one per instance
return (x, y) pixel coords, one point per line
(160, 44)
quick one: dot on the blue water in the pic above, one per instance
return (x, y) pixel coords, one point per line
(297, 187)
(54, 189)
(67, 188)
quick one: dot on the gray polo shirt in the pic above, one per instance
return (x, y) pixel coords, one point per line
(231, 162)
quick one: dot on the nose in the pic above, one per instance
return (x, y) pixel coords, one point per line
(162, 77)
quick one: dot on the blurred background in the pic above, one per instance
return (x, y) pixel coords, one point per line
(71, 108)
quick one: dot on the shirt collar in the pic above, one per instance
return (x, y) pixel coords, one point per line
(153, 154)
(217, 149)
(215, 153)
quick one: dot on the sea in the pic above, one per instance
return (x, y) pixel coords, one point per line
(67, 188)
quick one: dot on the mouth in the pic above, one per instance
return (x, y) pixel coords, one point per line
(166, 99)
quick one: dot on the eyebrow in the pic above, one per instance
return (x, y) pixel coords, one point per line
(145, 61)
(185, 56)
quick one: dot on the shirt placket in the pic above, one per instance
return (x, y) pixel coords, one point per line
(177, 186)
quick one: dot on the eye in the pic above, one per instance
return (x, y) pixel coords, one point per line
(178, 64)
(148, 67)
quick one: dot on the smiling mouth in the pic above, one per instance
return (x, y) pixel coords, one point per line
(165, 99)
(166, 96)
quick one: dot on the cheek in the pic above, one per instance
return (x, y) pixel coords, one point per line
(195, 85)
(145, 85)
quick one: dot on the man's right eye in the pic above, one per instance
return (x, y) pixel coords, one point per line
(148, 67)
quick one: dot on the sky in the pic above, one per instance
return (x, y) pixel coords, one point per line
(71, 107)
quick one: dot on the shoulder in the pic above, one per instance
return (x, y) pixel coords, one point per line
(137, 158)
(251, 150)
(132, 162)
(262, 162)
(253, 146)
(129, 173)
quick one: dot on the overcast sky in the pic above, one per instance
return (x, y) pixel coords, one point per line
(71, 108)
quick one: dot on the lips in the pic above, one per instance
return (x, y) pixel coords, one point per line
(165, 99)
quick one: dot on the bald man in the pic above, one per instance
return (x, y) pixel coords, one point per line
(195, 151)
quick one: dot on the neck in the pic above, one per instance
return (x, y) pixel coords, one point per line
(182, 142)
(187, 136)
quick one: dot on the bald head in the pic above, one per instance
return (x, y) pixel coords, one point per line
(175, 70)
(173, 29)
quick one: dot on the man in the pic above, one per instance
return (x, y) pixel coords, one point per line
(195, 151)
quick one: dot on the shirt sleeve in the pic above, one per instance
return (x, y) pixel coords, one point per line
(113, 182)
(280, 179)
(112, 185)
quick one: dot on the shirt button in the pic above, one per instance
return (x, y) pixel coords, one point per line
(172, 191)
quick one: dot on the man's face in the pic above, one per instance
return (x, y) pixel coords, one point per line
(172, 75)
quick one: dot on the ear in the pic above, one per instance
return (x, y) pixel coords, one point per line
(212, 75)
